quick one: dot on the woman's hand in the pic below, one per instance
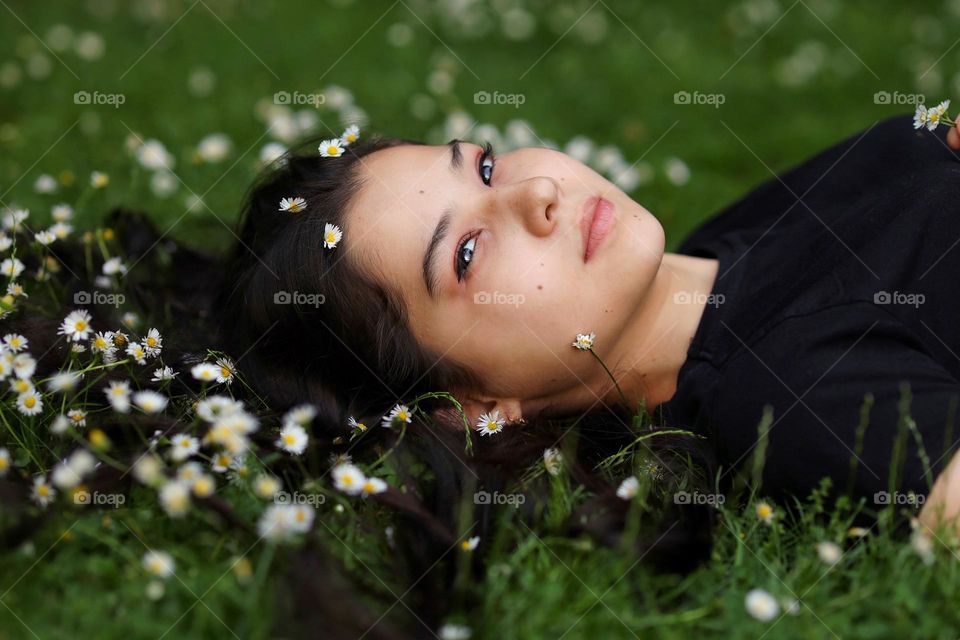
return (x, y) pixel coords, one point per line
(953, 137)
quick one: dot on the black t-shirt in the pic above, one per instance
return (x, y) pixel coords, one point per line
(837, 278)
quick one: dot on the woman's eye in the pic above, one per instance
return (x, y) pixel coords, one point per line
(464, 256)
(487, 161)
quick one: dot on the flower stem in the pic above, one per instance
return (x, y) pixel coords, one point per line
(623, 398)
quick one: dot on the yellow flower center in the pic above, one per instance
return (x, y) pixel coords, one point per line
(30, 402)
(43, 491)
(289, 438)
(80, 325)
(151, 342)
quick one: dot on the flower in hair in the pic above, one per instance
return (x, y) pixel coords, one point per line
(399, 413)
(933, 116)
(332, 148)
(628, 488)
(331, 235)
(470, 544)
(490, 423)
(584, 341)
(350, 134)
(293, 205)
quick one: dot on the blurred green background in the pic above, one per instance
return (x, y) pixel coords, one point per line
(793, 78)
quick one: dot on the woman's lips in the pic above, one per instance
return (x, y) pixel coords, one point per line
(596, 221)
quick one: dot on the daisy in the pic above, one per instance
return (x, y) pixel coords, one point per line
(764, 512)
(293, 438)
(857, 532)
(455, 632)
(148, 470)
(61, 212)
(301, 415)
(221, 462)
(349, 135)
(203, 485)
(357, 426)
(29, 403)
(153, 343)
(371, 486)
(159, 563)
(44, 237)
(150, 401)
(11, 267)
(216, 406)
(118, 393)
(183, 446)
(300, 517)
(64, 381)
(225, 370)
(761, 605)
(42, 493)
(61, 230)
(45, 183)
(922, 544)
(348, 478)
(130, 319)
(936, 114)
(16, 290)
(163, 374)
(15, 342)
(78, 417)
(295, 204)
(552, 460)
(136, 351)
(266, 486)
(76, 326)
(60, 424)
(153, 155)
(98, 179)
(214, 147)
(113, 266)
(175, 498)
(628, 488)
(470, 543)
(205, 372)
(584, 341)
(21, 385)
(399, 413)
(331, 235)
(829, 552)
(4, 461)
(490, 423)
(13, 219)
(332, 148)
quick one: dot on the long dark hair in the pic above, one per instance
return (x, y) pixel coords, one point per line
(305, 324)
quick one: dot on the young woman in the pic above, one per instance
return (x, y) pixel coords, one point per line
(464, 270)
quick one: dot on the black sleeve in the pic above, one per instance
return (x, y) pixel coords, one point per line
(814, 371)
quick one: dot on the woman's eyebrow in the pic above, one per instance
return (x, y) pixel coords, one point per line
(430, 276)
(456, 157)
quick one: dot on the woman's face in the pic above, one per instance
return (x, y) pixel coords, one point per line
(510, 286)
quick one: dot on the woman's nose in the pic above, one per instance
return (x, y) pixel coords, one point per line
(535, 201)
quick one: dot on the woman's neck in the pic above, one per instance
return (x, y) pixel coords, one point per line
(654, 346)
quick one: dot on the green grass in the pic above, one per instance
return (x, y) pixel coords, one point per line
(83, 576)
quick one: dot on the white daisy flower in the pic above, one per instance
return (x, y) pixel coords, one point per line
(189, 471)
(203, 485)
(454, 632)
(175, 498)
(371, 486)
(61, 230)
(922, 544)
(60, 424)
(585, 341)
(764, 512)
(266, 486)
(42, 493)
(331, 235)
(5, 242)
(153, 155)
(399, 413)
(552, 460)
(44, 237)
(113, 266)
(221, 462)
(5, 462)
(118, 393)
(761, 605)
(272, 152)
(332, 148)
(183, 446)
(152, 343)
(214, 147)
(350, 134)
(99, 180)
(293, 205)
(77, 417)
(130, 319)
(213, 407)
(150, 401)
(490, 423)
(45, 183)
(61, 212)
(628, 488)
(11, 267)
(225, 370)
(280, 521)
(163, 374)
(136, 351)
(15, 342)
(470, 543)
(301, 517)
(205, 372)
(29, 403)
(148, 470)
(64, 381)
(301, 414)
(829, 552)
(159, 563)
(21, 385)
(920, 117)
(76, 326)
(936, 114)
(357, 426)
(293, 438)
(13, 219)
(348, 478)
(16, 290)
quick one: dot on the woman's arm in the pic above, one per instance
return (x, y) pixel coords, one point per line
(942, 506)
